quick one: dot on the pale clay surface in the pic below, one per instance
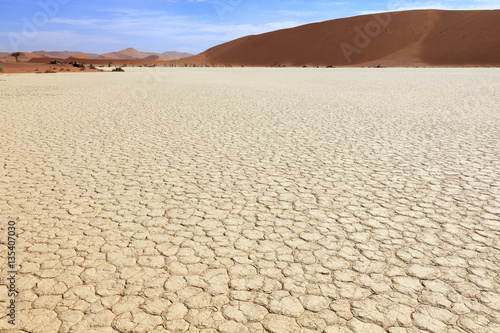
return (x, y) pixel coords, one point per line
(253, 200)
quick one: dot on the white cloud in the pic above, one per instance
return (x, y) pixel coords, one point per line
(165, 29)
(153, 26)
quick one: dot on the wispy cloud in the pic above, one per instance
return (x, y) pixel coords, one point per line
(163, 27)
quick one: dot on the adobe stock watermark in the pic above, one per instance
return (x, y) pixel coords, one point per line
(11, 270)
(224, 6)
(364, 36)
(30, 28)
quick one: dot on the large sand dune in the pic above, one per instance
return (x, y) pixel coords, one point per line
(244, 199)
(410, 38)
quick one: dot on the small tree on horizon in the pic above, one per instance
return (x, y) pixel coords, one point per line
(16, 54)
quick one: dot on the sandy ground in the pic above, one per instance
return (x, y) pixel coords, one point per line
(250, 200)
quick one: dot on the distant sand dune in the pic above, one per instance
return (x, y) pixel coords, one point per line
(79, 57)
(126, 54)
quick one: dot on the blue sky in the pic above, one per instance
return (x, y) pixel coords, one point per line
(173, 25)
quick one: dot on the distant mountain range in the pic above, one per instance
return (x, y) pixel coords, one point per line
(129, 53)
(132, 53)
(64, 54)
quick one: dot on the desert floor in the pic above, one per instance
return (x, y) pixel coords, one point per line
(250, 200)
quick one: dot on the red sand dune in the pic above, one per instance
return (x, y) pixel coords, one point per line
(409, 38)
(78, 57)
(173, 55)
(129, 53)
